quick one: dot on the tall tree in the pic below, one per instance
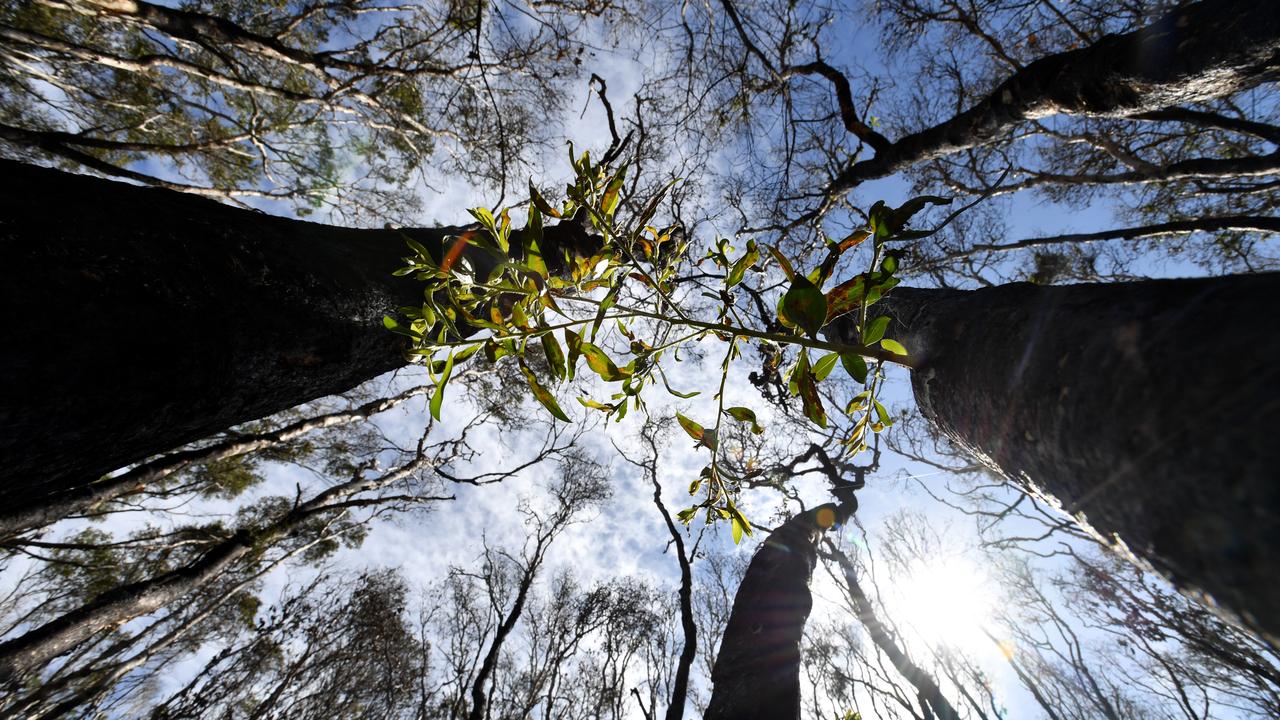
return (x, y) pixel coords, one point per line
(200, 316)
(345, 106)
(1079, 393)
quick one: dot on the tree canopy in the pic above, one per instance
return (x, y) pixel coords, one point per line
(1002, 269)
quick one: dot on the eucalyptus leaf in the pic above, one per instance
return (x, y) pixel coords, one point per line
(805, 305)
(543, 395)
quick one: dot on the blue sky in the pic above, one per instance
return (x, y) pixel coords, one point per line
(627, 537)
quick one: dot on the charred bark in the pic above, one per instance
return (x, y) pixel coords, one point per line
(17, 519)
(139, 319)
(757, 673)
(1150, 409)
(1197, 52)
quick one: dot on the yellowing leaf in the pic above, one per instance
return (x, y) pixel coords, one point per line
(783, 262)
(543, 395)
(855, 238)
(845, 297)
(695, 430)
(893, 346)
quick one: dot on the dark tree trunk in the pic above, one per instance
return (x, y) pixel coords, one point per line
(137, 320)
(18, 518)
(1152, 409)
(757, 673)
(1197, 52)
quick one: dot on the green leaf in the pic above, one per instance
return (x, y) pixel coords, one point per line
(555, 356)
(737, 530)
(742, 264)
(742, 414)
(855, 366)
(783, 262)
(598, 361)
(893, 346)
(874, 330)
(605, 304)
(879, 289)
(824, 366)
(574, 342)
(394, 326)
(882, 414)
(540, 203)
(543, 395)
(805, 305)
(686, 515)
(695, 430)
(437, 397)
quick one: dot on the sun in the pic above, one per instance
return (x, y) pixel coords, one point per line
(946, 601)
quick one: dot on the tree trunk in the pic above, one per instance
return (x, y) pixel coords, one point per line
(1197, 52)
(17, 519)
(1150, 409)
(757, 673)
(140, 319)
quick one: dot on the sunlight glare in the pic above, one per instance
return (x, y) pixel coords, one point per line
(947, 601)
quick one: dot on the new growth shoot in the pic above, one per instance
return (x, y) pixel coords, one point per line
(496, 291)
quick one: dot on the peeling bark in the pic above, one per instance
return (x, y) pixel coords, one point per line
(757, 673)
(1197, 52)
(1149, 409)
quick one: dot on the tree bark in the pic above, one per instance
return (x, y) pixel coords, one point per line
(1148, 409)
(18, 519)
(757, 673)
(140, 319)
(1197, 52)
